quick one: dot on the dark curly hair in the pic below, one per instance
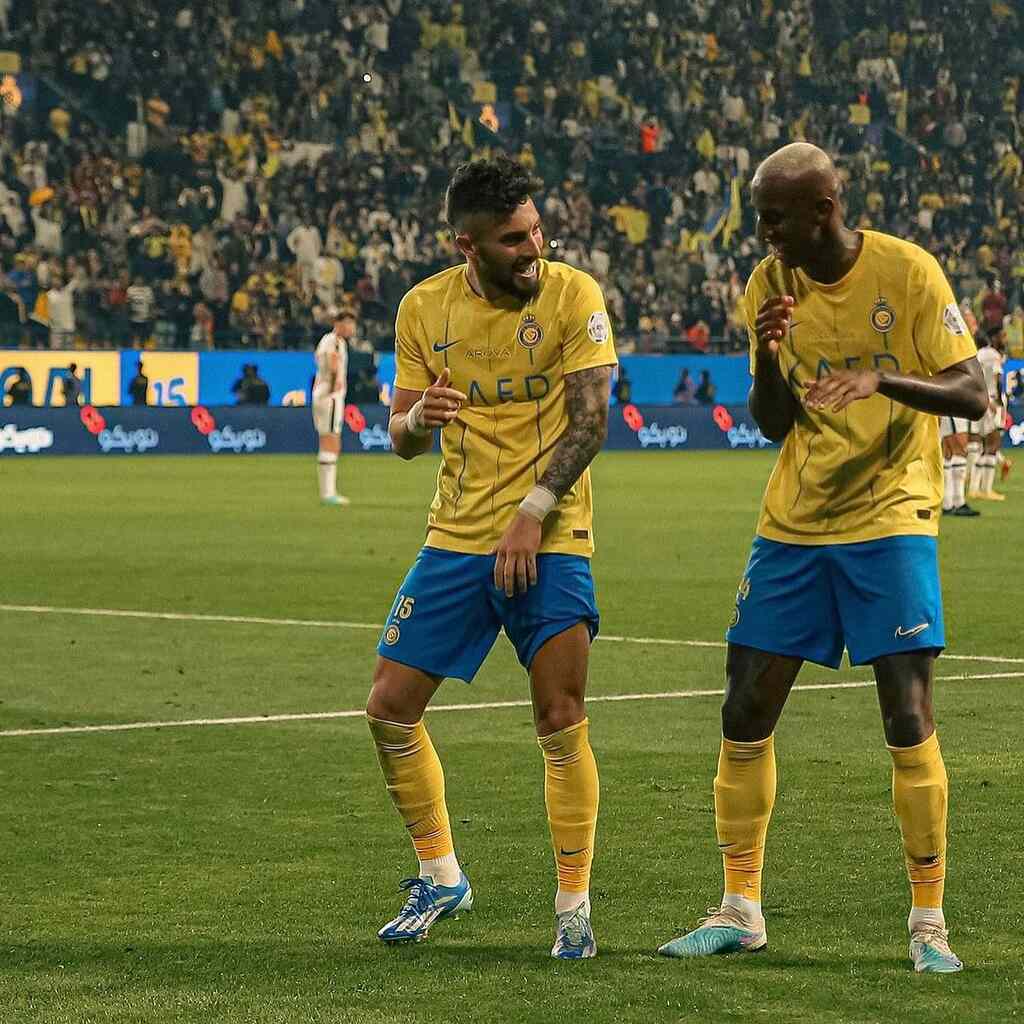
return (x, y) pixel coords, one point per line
(495, 187)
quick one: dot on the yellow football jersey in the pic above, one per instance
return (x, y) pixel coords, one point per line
(874, 469)
(510, 358)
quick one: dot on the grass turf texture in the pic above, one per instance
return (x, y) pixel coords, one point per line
(239, 873)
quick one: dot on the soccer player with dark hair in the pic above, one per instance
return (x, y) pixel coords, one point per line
(856, 347)
(510, 358)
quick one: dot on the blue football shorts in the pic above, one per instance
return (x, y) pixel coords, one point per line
(448, 611)
(874, 598)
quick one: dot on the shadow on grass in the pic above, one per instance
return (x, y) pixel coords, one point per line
(245, 957)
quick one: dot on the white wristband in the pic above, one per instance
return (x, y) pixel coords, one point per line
(414, 420)
(538, 503)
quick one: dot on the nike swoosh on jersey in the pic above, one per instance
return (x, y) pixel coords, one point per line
(906, 634)
(440, 347)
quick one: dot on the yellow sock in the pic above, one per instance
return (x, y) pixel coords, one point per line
(571, 796)
(920, 792)
(415, 781)
(744, 797)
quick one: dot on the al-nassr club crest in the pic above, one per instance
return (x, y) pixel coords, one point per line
(883, 317)
(530, 333)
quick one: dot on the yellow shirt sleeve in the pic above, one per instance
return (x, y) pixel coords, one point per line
(941, 337)
(411, 370)
(588, 340)
(751, 300)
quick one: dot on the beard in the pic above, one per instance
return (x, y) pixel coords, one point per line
(505, 277)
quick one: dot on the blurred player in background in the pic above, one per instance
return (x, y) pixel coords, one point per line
(953, 430)
(989, 429)
(329, 402)
(511, 358)
(845, 553)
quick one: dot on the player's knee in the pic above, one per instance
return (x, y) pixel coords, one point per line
(384, 702)
(386, 708)
(907, 726)
(746, 717)
(558, 714)
(377, 706)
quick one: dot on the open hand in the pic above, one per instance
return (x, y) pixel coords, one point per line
(515, 567)
(841, 388)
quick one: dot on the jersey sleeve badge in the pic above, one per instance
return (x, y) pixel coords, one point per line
(598, 329)
(953, 320)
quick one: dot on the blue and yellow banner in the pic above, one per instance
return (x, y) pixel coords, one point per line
(99, 373)
(173, 376)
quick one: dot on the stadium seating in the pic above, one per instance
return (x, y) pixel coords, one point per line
(297, 157)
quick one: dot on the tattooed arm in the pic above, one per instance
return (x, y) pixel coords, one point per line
(586, 407)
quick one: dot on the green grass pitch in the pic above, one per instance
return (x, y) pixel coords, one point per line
(237, 873)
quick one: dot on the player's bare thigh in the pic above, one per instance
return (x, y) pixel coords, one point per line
(904, 683)
(992, 442)
(757, 684)
(400, 693)
(954, 445)
(558, 680)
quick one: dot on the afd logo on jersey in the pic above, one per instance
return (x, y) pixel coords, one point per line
(27, 441)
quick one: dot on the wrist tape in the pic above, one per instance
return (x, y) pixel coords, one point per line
(538, 503)
(414, 420)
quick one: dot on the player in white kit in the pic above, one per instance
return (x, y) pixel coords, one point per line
(329, 403)
(954, 432)
(990, 427)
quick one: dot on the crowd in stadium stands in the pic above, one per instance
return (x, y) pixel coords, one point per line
(284, 156)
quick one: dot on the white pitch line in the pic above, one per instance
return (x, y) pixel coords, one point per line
(312, 716)
(982, 657)
(125, 613)
(660, 640)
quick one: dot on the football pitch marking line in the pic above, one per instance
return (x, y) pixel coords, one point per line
(312, 716)
(254, 620)
(124, 613)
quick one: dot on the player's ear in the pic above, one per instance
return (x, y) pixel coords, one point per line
(824, 208)
(464, 243)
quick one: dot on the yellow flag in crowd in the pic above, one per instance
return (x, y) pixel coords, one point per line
(734, 218)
